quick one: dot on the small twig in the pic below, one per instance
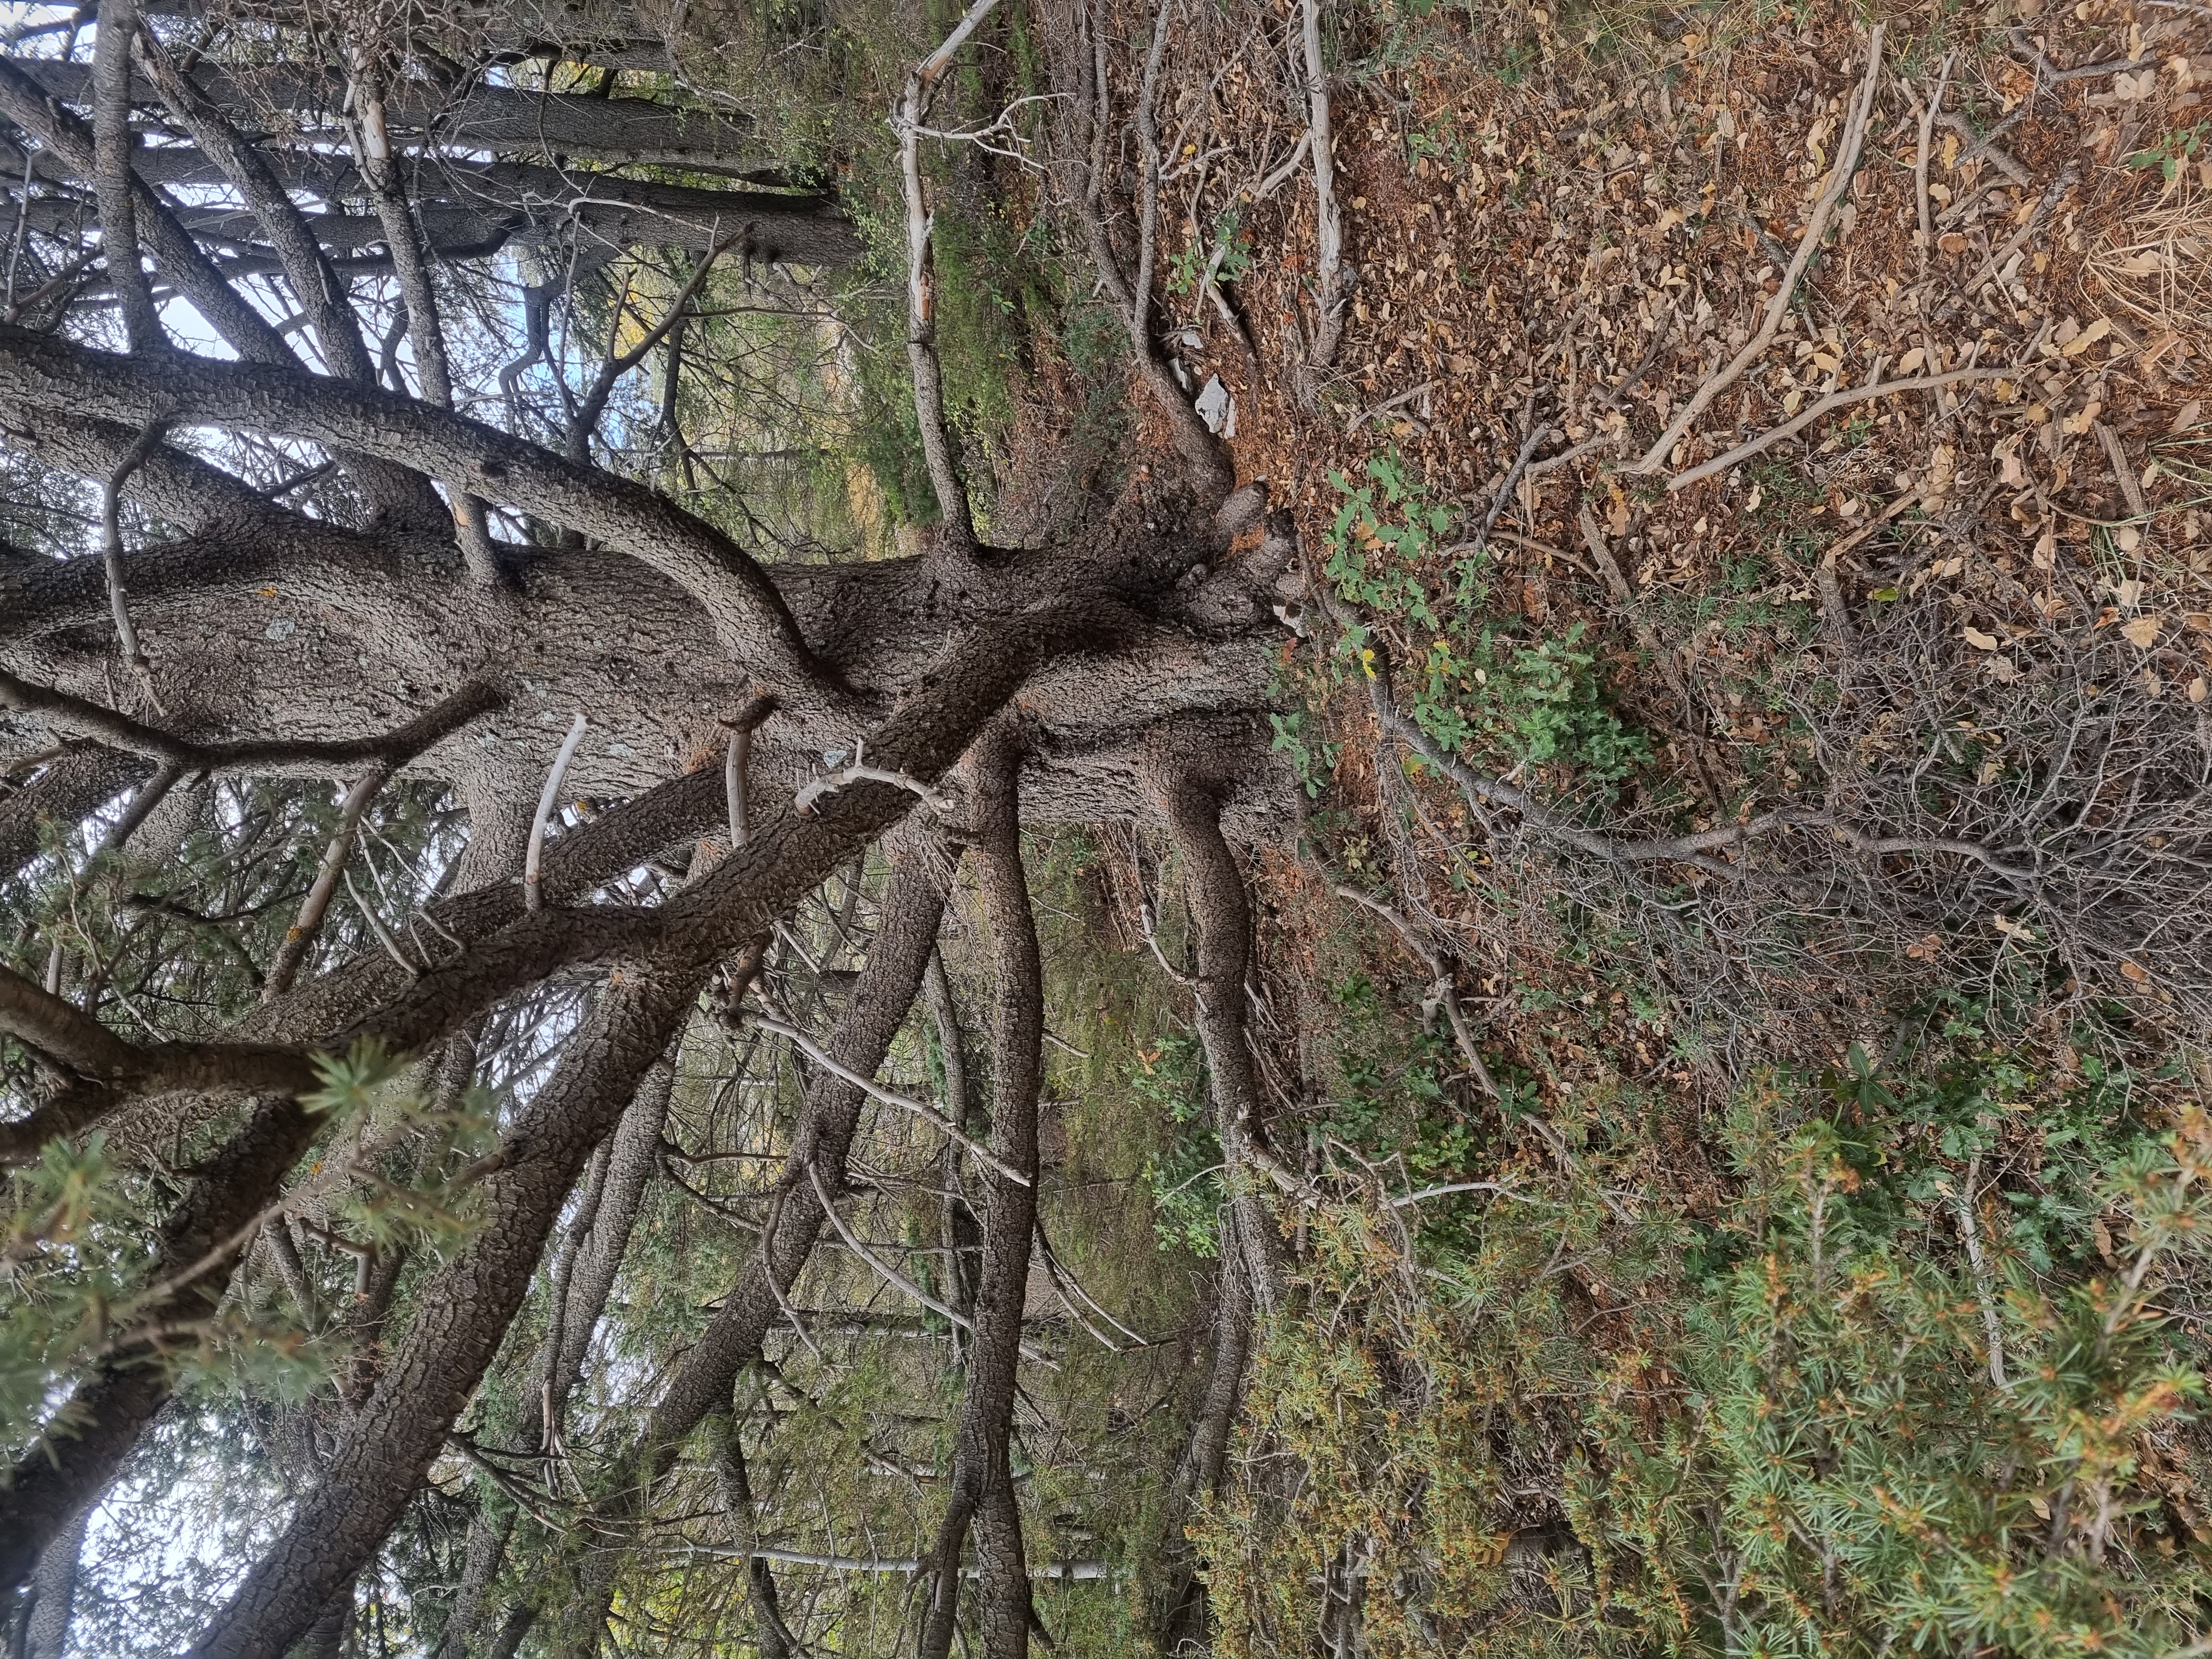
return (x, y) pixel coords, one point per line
(1927, 238)
(1283, 174)
(546, 796)
(1537, 434)
(959, 526)
(383, 934)
(2046, 70)
(1986, 145)
(1389, 404)
(1148, 208)
(110, 549)
(1816, 228)
(1440, 978)
(301, 936)
(875, 1090)
(859, 772)
(737, 768)
(1498, 1186)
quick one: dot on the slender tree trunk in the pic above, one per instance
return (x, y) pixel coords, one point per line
(465, 1309)
(875, 1009)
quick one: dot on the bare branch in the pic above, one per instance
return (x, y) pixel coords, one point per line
(1816, 226)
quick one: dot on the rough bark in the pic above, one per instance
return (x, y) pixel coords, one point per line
(1190, 800)
(771, 1635)
(72, 1463)
(465, 1309)
(65, 793)
(53, 1591)
(983, 1497)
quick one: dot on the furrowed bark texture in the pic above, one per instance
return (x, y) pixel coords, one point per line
(465, 1308)
(53, 1592)
(983, 1497)
(875, 1009)
(1192, 806)
(745, 606)
(72, 1464)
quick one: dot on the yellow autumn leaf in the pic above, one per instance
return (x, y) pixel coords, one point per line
(2087, 337)
(2142, 631)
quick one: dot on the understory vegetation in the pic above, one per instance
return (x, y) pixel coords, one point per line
(1617, 1061)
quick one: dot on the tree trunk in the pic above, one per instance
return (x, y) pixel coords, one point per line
(982, 1496)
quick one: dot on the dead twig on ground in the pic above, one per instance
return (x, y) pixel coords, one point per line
(1816, 226)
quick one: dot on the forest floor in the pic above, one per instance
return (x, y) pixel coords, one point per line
(1573, 222)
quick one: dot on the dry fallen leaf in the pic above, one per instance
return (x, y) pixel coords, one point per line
(2142, 631)
(2198, 690)
(2087, 337)
(2134, 972)
(1979, 641)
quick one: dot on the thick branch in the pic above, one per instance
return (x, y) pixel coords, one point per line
(249, 333)
(112, 141)
(465, 1307)
(746, 609)
(983, 1484)
(393, 749)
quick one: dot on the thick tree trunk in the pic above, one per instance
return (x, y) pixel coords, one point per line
(983, 1497)
(464, 1309)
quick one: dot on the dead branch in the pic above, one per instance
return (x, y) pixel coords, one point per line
(936, 1120)
(299, 938)
(1328, 221)
(906, 119)
(981, 1493)
(546, 798)
(1828, 405)
(1926, 240)
(1816, 226)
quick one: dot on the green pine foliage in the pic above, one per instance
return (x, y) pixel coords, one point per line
(1914, 1371)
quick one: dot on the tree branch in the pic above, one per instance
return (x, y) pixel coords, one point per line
(748, 612)
(391, 751)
